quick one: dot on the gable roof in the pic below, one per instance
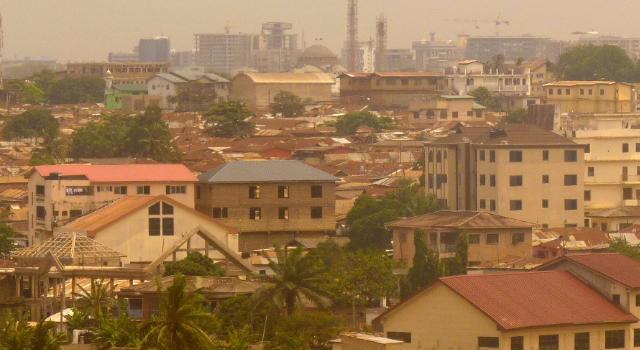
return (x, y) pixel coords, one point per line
(615, 266)
(460, 220)
(67, 246)
(513, 135)
(617, 212)
(215, 286)
(96, 221)
(265, 171)
(120, 173)
(532, 299)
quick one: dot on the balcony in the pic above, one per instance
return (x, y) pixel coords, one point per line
(40, 222)
(630, 202)
(630, 178)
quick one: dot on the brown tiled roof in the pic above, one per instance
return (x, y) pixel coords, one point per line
(460, 220)
(618, 212)
(513, 135)
(214, 286)
(612, 265)
(103, 217)
(533, 299)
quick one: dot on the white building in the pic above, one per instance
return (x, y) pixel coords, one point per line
(470, 75)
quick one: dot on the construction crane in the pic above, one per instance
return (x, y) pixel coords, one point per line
(497, 22)
(227, 28)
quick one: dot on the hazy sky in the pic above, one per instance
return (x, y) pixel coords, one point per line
(87, 30)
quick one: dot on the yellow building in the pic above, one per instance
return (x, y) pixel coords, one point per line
(389, 88)
(591, 96)
(258, 89)
(122, 72)
(491, 237)
(519, 171)
(446, 107)
(548, 310)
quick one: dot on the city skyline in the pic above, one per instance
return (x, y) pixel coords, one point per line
(77, 31)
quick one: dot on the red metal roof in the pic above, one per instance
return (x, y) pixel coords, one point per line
(613, 265)
(534, 299)
(122, 173)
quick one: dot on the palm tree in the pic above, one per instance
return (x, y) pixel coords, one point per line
(117, 332)
(97, 299)
(156, 142)
(294, 277)
(179, 324)
(44, 337)
(15, 333)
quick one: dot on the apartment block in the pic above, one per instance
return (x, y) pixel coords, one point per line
(591, 96)
(61, 193)
(270, 202)
(447, 107)
(470, 75)
(390, 88)
(518, 170)
(123, 72)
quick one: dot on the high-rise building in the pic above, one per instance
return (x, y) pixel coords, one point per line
(527, 48)
(157, 49)
(630, 45)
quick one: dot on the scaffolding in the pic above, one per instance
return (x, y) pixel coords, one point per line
(381, 44)
(352, 36)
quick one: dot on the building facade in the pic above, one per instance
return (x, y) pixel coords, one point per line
(513, 48)
(258, 89)
(447, 107)
(170, 84)
(435, 56)
(592, 96)
(270, 202)
(123, 72)
(519, 171)
(470, 75)
(390, 88)
(154, 50)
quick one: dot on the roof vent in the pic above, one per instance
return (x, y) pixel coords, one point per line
(493, 133)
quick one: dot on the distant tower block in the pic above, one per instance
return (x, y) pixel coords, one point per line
(1, 44)
(352, 35)
(381, 43)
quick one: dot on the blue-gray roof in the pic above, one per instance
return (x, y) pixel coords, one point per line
(191, 76)
(265, 171)
(170, 77)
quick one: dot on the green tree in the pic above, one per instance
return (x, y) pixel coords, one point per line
(15, 332)
(288, 104)
(51, 150)
(97, 299)
(517, 116)
(195, 264)
(31, 94)
(484, 97)
(227, 119)
(595, 62)
(426, 266)
(350, 122)
(7, 244)
(179, 326)
(294, 277)
(305, 331)
(458, 264)
(45, 338)
(118, 331)
(620, 245)
(194, 98)
(237, 312)
(31, 123)
(44, 79)
(76, 90)
(238, 339)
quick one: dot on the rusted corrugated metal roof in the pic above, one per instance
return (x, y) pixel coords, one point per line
(290, 78)
(460, 220)
(615, 266)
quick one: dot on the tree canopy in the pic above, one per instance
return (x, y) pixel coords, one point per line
(485, 97)
(288, 104)
(195, 264)
(596, 62)
(7, 244)
(76, 90)
(517, 116)
(31, 123)
(350, 122)
(194, 98)
(227, 119)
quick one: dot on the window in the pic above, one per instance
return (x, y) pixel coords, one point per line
(474, 238)
(105, 188)
(40, 212)
(197, 192)
(545, 155)
(488, 342)
(481, 156)
(492, 205)
(515, 156)
(254, 213)
(515, 205)
(220, 213)
(441, 179)
(581, 341)
(161, 219)
(616, 298)
(627, 193)
(550, 91)
(567, 91)
(581, 91)
(316, 212)
(404, 81)
(515, 180)
(548, 342)
(590, 91)
(402, 336)
(74, 213)
(638, 299)
(571, 180)
(469, 113)
(545, 203)
(39, 190)
(545, 179)
(570, 156)
(316, 191)
(79, 190)
(636, 338)
(625, 148)
(587, 195)
(492, 180)
(570, 204)
(559, 91)
(283, 191)
(143, 189)
(493, 238)
(254, 192)
(517, 343)
(601, 92)
(638, 170)
(637, 147)
(120, 190)
(482, 179)
(492, 156)
(176, 189)
(614, 339)
(283, 213)
(454, 114)
(443, 114)
(517, 238)
(483, 204)
(590, 171)
(587, 148)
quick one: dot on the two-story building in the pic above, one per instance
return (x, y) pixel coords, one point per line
(60, 193)
(171, 84)
(389, 88)
(491, 237)
(543, 310)
(470, 75)
(518, 171)
(591, 96)
(270, 202)
(447, 107)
